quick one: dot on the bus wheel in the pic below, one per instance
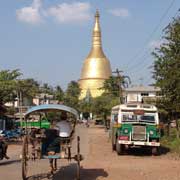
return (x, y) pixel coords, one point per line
(119, 148)
(155, 151)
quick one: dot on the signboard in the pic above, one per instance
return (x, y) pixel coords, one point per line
(139, 112)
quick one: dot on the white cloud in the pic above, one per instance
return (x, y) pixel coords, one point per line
(156, 44)
(120, 12)
(74, 12)
(30, 14)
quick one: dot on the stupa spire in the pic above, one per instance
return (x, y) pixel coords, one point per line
(96, 49)
(96, 31)
(96, 67)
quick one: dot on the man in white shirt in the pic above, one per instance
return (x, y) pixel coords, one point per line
(64, 130)
(64, 126)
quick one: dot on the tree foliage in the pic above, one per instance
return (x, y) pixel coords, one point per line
(111, 86)
(8, 84)
(12, 87)
(72, 93)
(59, 94)
(167, 72)
(28, 87)
(101, 106)
(167, 66)
(46, 89)
(115, 84)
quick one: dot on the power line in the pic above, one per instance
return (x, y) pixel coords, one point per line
(152, 33)
(141, 64)
(151, 77)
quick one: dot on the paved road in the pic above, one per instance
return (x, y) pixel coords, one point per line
(100, 162)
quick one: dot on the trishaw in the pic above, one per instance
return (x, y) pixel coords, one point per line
(37, 140)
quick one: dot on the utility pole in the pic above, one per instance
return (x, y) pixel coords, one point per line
(119, 76)
(20, 108)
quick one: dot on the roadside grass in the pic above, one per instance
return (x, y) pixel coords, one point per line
(171, 142)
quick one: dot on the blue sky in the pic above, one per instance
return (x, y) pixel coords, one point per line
(48, 40)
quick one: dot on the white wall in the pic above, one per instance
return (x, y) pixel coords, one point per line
(137, 96)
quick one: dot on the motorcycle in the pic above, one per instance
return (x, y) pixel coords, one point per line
(12, 135)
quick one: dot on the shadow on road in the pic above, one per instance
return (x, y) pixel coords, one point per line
(40, 176)
(5, 163)
(93, 174)
(69, 173)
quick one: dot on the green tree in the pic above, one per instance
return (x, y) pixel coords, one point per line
(47, 89)
(115, 85)
(8, 84)
(72, 95)
(166, 69)
(101, 106)
(27, 88)
(111, 86)
(85, 105)
(59, 94)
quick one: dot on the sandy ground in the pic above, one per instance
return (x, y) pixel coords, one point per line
(100, 162)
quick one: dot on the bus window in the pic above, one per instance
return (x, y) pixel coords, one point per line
(115, 118)
(129, 117)
(148, 118)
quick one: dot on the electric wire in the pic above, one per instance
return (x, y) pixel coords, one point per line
(150, 36)
(174, 17)
(141, 64)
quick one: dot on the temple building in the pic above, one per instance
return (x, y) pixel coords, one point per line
(96, 67)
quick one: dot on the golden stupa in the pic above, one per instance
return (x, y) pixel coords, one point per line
(96, 67)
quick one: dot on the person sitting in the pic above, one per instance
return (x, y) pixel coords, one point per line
(64, 130)
(64, 127)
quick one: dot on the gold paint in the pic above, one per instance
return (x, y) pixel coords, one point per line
(96, 67)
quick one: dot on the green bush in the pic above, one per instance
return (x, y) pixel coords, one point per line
(171, 142)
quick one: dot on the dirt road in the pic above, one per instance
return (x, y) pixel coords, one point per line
(100, 162)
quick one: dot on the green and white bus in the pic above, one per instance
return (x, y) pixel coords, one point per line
(134, 125)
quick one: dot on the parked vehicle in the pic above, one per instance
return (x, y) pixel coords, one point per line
(134, 125)
(8, 129)
(12, 135)
(34, 123)
(99, 121)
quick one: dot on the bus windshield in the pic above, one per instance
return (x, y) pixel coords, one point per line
(149, 118)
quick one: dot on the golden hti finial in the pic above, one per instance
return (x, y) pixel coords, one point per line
(97, 13)
(96, 31)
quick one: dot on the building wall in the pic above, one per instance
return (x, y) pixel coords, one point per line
(138, 96)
